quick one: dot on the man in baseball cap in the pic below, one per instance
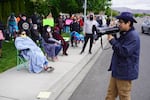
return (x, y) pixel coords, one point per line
(125, 59)
(126, 16)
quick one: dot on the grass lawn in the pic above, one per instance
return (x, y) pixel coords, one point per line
(8, 59)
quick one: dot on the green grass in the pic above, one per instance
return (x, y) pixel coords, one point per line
(8, 59)
(66, 34)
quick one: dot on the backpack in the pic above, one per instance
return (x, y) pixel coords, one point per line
(12, 19)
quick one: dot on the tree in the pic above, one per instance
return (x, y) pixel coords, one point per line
(9, 6)
(65, 6)
(44, 7)
(97, 5)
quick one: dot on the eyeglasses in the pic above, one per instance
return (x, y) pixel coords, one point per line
(23, 33)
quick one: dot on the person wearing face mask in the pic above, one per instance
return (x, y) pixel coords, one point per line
(89, 23)
(35, 35)
(52, 46)
(32, 53)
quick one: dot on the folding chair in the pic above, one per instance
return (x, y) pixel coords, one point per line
(21, 62)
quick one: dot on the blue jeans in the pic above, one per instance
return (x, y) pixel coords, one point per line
(67, 29)
(57, 49)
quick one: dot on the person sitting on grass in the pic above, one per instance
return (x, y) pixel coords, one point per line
(32, 53)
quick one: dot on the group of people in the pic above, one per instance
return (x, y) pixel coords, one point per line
(125, 59)
(29, 36)
(32, 52)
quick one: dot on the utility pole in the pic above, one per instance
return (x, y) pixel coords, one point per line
(85, 6)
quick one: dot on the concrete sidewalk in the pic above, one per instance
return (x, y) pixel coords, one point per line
(22, 85)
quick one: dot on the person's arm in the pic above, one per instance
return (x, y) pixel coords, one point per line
(54, 40)
(126, 49)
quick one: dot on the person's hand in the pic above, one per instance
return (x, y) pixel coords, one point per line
(109, 37)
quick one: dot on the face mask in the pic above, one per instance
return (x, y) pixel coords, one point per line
(24, 18)
(91, 17)
(48, 29)
(35, 28)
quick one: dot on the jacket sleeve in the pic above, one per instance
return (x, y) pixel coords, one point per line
(126, 48)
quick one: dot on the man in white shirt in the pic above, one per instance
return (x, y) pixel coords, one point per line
(88, 32)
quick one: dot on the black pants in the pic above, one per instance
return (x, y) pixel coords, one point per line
(73, 39)
(0, 44)
(87, 37)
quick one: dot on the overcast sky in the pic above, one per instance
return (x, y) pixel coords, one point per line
(134, 4)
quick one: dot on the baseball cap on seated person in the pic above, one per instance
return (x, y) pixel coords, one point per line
(126, 16)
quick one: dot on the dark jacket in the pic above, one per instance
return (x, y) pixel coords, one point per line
(75, 26)
(125, 59)
(24, 25)
(46, 35)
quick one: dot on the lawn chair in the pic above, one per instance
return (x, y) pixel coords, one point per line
(21, 62)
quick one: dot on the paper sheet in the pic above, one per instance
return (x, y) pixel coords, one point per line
(44, 94)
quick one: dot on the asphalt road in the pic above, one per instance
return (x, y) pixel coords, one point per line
(94, 85)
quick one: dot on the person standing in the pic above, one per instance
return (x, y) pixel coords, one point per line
(60, 23)
(1, 37)
(12, 25)
(89, 32)
(74, 27)
(68, 21)
(108, 20)
(100, 21)
(125, 59)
